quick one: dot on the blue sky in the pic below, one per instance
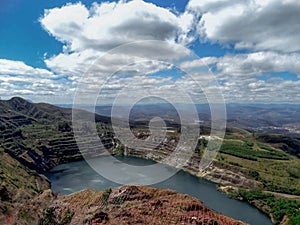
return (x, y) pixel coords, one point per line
(22, 37)
(252, 49)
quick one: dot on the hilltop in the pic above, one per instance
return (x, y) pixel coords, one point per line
(123, 205)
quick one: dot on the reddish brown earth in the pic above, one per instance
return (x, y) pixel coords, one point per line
(124, 205)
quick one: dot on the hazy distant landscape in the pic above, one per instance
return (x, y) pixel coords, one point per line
(263, 118)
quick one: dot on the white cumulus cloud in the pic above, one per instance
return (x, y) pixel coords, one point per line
(19, 79)
(88, 33)
(255, 77)
(250, 24)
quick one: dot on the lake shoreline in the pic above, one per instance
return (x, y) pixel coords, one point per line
(189, 176)
(218, 185)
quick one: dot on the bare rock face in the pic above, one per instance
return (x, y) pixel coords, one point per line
(228, 177)
(126, 193)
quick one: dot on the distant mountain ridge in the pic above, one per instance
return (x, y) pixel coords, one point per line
(261, 118)
(23, 112)
(35, 137)
(19, 106)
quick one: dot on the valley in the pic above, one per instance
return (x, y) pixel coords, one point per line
(260, 168)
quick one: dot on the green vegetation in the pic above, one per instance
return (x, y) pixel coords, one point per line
(201, 145)
(273, 174)
(105, 195)
(215, 222)
(49, 217)
(120, 150)
(278, 207)
(102, 128)
(247, 150)
(64, 126)
(288, 144)
(274, 169)
(66, 218)
(17, 181)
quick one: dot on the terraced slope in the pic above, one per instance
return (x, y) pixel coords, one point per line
(39, 136)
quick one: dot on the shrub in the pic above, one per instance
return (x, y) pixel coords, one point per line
(49, 218)
(105, 195)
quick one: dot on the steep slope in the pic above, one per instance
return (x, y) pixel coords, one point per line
(18, 184)
(39, 135)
